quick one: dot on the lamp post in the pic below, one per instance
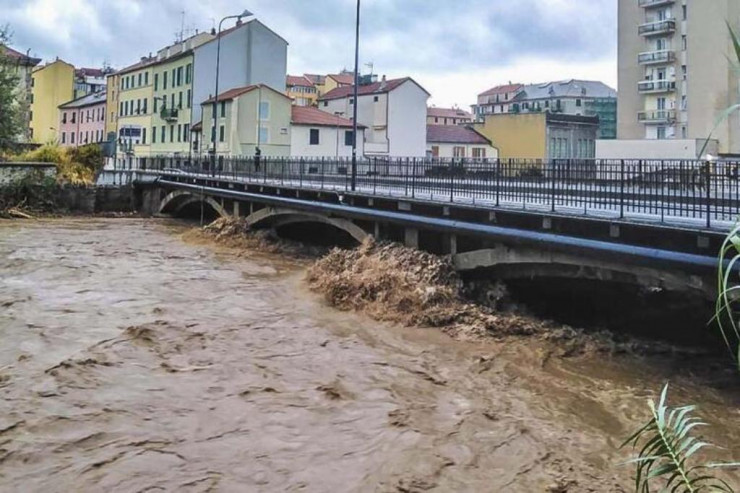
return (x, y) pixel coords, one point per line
(357, 82)
(246, 13)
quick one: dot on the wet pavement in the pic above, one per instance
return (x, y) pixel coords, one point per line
(134, 361)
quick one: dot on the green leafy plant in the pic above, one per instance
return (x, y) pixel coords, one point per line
(668, 450)
(728, 290)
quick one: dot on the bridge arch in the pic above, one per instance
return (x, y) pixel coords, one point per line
(277, 217)
(175, 201)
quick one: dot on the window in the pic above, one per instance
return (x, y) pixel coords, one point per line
(154, 105)
(458, 151)
(188, 73)
(186, 132)
(435, 151)
(179, 76)
(179, 97)
(264, 135)
(661, 133)
(179, 133)
(685, 13)
(156, 82)
(376, 99)
(313, 137)
(74, 116)
(264, 110)
(436, 119)
(578, 103)
(351, 100)
(64, 138)
(140, 79)
(72, 138)
(172, 133)
(221, 133)
(146, 78)
(684, 132)
(172, 100)
(164, 80)
(138, 106)
(112, 116)
(348, 140)
(223, 109)
(684, 43)
(174, 77)
(326, 103)
(190, 96)
(479, 152)
(144, 107)
(154, 135)
(163, 134)
(64, 117)
(143, 135)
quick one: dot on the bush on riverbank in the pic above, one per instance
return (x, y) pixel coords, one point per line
(75, 165)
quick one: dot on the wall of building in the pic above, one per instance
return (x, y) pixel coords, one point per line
(654, 149)
(331, 142)
(372, 113)
(250, 55)
(179, 128)
(407, 120)
(141, 120)
(88, 126)
(446, 150)
(112, 93)
(516, 135)
(571, 140)
(53, 85)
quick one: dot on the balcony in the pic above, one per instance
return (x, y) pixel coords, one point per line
(648, 4)
(655, 57)
(667, 26)
(656, 86)
(169, 114)
(656, 116)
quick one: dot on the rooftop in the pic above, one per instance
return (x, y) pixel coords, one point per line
(449, 113)
(502, 89)
(306, 115)
(87, 100)
(454, 134)
(298, 80)
(238, 91)
(19, 57)
(381, 87)
(344, 79)
(567, 88)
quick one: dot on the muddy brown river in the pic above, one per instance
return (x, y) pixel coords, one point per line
(134, 361)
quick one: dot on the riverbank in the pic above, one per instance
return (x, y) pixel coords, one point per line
(135, 361)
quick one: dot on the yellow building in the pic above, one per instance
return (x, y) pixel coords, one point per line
(172, 105)
(337, 80)
(111, 119)
(301, 90)
(135, 92)
(540, 135)
(237, 131)
(51, 86)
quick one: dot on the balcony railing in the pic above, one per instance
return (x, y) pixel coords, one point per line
(647, 4)
(656, 116)
(169, 114)
(659, 27)
(652, 57)
(652, 86)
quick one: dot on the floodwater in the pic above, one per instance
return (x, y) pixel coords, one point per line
(133, 361)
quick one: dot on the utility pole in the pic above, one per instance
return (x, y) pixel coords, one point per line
(357, 83)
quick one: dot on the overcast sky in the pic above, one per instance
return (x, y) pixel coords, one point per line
(454, 48)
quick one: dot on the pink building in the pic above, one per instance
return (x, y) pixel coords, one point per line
(82, 121)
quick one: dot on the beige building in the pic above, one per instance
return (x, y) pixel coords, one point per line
(247, 118)
(675, 72)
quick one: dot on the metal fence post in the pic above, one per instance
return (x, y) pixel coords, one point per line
(498, 181)
(552, 183)
(413, 180)
(621, 189)
(452, 180)
(708, 182)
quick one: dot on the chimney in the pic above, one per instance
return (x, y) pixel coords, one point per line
(382, 83)
(213, 31)
(239, 22)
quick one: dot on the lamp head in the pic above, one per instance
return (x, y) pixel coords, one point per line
(246, 13)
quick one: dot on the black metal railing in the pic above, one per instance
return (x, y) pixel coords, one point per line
(691, 192)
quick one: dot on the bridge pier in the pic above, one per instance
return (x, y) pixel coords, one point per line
(411, 237)
(451, 243)
(237, 212)
(376, 232)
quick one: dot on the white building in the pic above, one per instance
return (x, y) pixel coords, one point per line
(394, 112)
(251, 54)
(315, 133)
(457, 141)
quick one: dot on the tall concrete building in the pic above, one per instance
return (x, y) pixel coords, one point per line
(676, 75)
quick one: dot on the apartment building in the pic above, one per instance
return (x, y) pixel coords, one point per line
(246, 118)
(82, 121)
(90, 80)
(135, 93)
(302, 90)
(458, 141)
(676, 75)
(393, 111)
(568, 97)
(22, 65)
(448, 116)
(316, 133)
(51, 85)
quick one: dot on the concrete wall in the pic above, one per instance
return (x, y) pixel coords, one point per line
(12, 172)
(331, 142)
(653, 149)
(407, 120)
(251, 54)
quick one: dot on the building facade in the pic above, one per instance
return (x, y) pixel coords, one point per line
(301, 90)
(51, 86)
(22, 65)
(83, 120)
(135, 108)
(569, 97)
(541, 135)
(393, 111)
(247, 118)
(676, 77)
(315, 133)
(448, 116)
(172, 105)
(251, 54)
(458, 141)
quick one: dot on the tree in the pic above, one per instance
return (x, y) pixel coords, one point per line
(10, 109)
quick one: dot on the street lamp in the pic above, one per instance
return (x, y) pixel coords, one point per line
(246, 13)
(357, 82)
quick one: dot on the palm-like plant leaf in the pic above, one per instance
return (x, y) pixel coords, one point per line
(667, 446)
(728, 291)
